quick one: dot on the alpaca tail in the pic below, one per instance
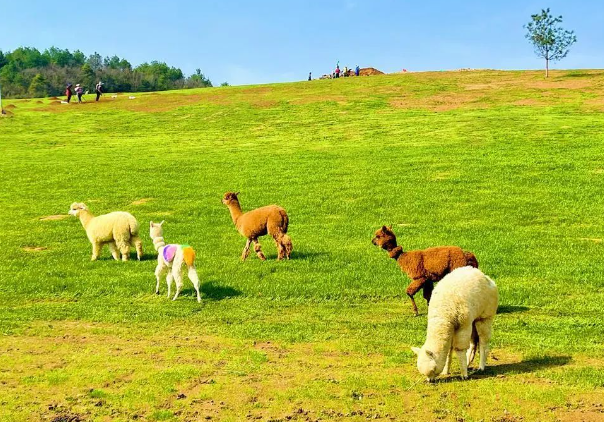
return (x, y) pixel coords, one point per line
(285, 220)
(471, 259)
(188, 254)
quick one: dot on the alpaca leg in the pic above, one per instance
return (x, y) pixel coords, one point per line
(169, 278)
(427, 291)
(138, 245)
(192, 273)
(124, 248)
(280, 248)
(178, 280)
(246, 250)
(484, 328)
(96, 251)
(286, 241)
(159, 272)
(413, 288)
(463, 363)
(258, 250)
(447, 368)
(114, 252)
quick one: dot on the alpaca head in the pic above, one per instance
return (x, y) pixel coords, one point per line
(384, 238)
(426, 363)
(76, 208)
(156, 230)
(229, 198)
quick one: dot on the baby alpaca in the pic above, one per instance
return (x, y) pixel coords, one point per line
(461, 314)
(170, 259)
(271, 219)
(424, 267)
(118, 230)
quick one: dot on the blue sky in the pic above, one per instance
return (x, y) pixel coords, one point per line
(260, 41)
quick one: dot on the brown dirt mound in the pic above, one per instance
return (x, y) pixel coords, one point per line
(370, 71)
(39, 102)
(55, 103)
(7, 113)
(10, 107)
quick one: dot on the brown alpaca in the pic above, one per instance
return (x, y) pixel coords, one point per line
(426, 266)
(271, 219)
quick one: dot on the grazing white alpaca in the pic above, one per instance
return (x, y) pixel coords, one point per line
(170, 259)
(118, 230)
(460, 315)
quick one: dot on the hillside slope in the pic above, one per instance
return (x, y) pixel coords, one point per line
(505, 164)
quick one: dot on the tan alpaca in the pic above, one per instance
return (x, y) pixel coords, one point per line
(118, 230)
(271, 219)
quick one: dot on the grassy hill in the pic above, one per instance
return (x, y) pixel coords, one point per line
(505, 164)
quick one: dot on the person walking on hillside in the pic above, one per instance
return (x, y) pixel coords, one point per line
(310, 76)
(357, 70)
(99, 90)
(337, 71)
(79, 91)
(68, 92)
(345, 71)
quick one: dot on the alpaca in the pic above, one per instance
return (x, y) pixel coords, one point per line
(271, 219)
(424, 267)
(170, 259)
(461, 315)
(118, 230)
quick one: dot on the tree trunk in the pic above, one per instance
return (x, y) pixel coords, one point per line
(547, 68)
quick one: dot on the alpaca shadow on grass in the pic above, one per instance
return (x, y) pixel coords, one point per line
(300, 255)
(213, 291)
(509, 309)
(523, 367)
(132, 257)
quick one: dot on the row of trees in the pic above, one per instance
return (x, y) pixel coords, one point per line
(28, 72)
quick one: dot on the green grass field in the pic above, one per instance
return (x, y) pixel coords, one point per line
(505, 164)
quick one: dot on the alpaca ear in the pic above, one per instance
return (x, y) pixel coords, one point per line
(416, 350)
(390, 227)
(236, 193)
(150, 223)
(162, 222)
(384, 228)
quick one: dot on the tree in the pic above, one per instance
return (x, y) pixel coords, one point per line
(224, 84)
(3, 60)
(38, 86)
(549, 39)
(87, 76)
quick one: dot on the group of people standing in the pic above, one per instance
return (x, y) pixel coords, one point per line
(338, 72)
(79, 91)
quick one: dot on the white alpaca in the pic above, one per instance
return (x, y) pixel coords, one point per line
(460, 315)
(118, 230)
(170, 259)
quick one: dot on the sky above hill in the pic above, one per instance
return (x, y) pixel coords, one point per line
(245, 42)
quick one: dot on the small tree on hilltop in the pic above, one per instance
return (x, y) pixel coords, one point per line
(549, 39)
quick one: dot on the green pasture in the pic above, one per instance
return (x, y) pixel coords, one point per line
(505, 164)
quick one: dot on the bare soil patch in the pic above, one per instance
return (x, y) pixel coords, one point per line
(141, 201)
(34, 248)
(54, 217)
(10, 107)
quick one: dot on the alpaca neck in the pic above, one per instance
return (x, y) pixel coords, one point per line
(85, 217)
(158, 242)
(393, 250)
(440, 335)
(235, 210)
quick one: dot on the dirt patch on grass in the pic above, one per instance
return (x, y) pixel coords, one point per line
(10, 107)
(34, 248)
(141, 201)
(583, 416)
(561, 84)
(530, 102)
(591, 239)
(55, 217)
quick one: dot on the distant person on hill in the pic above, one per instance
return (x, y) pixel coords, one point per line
(357, 70)
(79, 91)
(337, 71)
(310, 76)
(99, 90)
(345, 71)
(68, 92)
